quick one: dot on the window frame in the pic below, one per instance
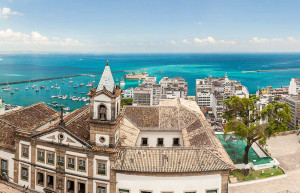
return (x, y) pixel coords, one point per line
(48, 153)
(142, 144)
(37, 183)
(191, 191)
(23, 146)
(78, 165)
(27, 168)
(101, 184)
(163, 144)
(37, 157)
(73, 180)
(141, 191)
(105, 170)
(67, 164)
(7, 163)
(53, 175)
(178, 141)
(217, 189)
(57, 161)
(124, 189)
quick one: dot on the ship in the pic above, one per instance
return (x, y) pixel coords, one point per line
(136, 76)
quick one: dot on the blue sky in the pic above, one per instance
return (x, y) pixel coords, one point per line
(150, 26)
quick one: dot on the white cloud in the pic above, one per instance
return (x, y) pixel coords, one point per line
(9, 37)
(185, 41)
(5, 12)
(257, 40)
(211, 40)
(173, 42)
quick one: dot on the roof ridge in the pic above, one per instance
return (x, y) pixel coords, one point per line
(21, 109)
(216, 156)
(77, 116)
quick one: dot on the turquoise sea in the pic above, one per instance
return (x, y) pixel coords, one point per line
(17, 67)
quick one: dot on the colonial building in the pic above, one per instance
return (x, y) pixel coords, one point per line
(99, 148)
(210, 92)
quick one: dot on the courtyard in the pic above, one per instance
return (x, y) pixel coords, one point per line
(286, 149)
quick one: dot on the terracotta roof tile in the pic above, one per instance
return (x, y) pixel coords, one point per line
(168, 160)
(31, 117)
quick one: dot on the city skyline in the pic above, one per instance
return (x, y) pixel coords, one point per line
(149, 26)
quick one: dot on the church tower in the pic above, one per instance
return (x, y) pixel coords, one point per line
(105, 110)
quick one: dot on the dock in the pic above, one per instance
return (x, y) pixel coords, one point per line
(61, 77)
(279, 69)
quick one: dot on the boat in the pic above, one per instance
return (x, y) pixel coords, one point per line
(67, 109)
(122, 83)
(27, 87)
(64, 97)
(42, 87)
(70, 82)
(57, 87)
(52, 86)
(17, 89)
(12, 92)
(81, 84)
(89, 85)
(54, 102)
(33, 86)
(47, 89)
(6, 89)
(136, 76)
(93, 81)
(53, 96)
(75, 86)
(37, 90)
(92, 75)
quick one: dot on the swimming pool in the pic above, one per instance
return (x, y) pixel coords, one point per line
(235, 150)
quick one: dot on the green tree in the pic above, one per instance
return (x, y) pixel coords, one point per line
(244, 117)
(126, 101)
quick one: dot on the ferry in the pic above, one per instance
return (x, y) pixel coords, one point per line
(136, 76)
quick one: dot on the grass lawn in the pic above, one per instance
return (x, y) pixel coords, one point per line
(256, 173)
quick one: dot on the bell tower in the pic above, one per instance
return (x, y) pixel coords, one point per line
(105, 110)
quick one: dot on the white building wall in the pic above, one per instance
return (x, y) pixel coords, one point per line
(152, 138)
(9, 157)
(197, 184)
(107, 176)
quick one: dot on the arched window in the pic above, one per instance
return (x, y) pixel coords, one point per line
(102, 113)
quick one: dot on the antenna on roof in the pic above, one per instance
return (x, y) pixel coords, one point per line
(62, 122)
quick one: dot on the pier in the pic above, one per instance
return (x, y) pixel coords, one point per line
(279, 69)
(53, 78)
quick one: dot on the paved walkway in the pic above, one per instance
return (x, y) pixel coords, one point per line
(286, 149)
